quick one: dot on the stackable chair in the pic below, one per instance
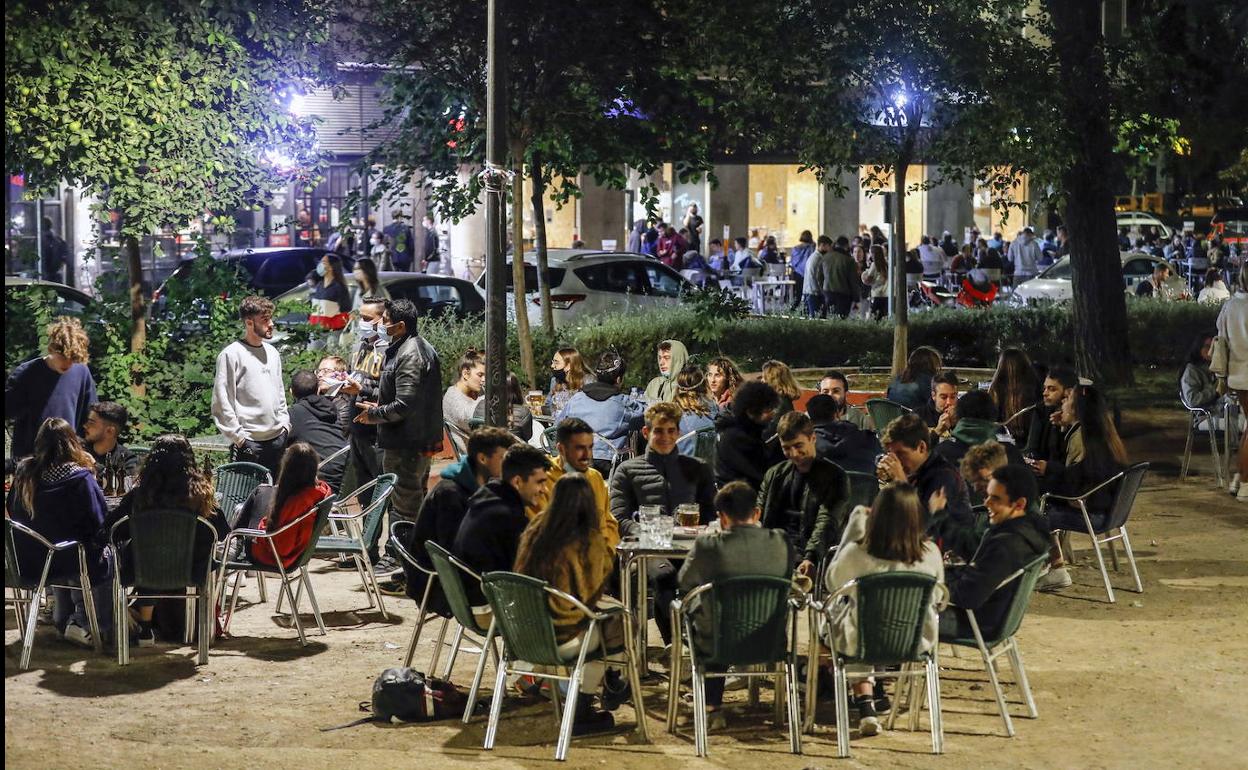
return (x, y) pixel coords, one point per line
(705, 440)
(459, 439)
(359, 529)
(522, 617)
(451, 572)
(883, 412)
(398, 537)
(863, 487)
(754, 623)
(163, 553)
(232, 484)
(1196, 415)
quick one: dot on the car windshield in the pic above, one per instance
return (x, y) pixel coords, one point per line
(1060, 271)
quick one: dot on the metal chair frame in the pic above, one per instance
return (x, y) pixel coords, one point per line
(37, 590)
(283, 575)
(506, 665)
(457, 434)
(337, 453)
(787, 700)
(422, 614)
(200, 601)
(227, 508)
(487, 645)
(352, 525)
(699, 438)
(820, 612)
(1097, 540)
(1195, 415)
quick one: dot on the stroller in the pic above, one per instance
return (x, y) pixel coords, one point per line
(977, 293)
(931, 294)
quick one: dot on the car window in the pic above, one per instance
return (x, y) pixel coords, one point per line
(431, 298)
(530, 278)
(1059, 271)
(664, 282)
(615, 277)
(284, 270)
(1137, 268)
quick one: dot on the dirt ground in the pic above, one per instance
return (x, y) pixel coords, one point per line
(1155, 680)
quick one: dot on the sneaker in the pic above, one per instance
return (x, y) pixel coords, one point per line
(615, 690)
(1057, 579)
(76, 634)
(589, 721)
(386, 565)
(395, 586)
(737, 683)
(143, 636)
(1234, 486)
(868, 721)
(716, 720)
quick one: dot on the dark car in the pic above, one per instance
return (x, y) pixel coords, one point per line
(277, 269)
(68, 300)
(435, 295)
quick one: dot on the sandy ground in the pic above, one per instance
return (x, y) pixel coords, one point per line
(1155, 680)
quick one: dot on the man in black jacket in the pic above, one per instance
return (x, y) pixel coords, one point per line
(806, 497)
(106, 421)
(314, 419)
(446, 504)
(743, 454)
(666, 478)
(489, 536)
(1017, 535)
(938, 412)
(942, 492)
(408, 410)
(840, 440)
(1044, 437)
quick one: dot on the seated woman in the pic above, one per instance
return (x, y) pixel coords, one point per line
(697, 409)
(1198, 386)
(722, 380)
(55, 494)
(519, 418)
(168, 479)
(1094, 453)
(567, 377)
(272, 507)
(913, 387)
(1014, 388)
(565, 546)
(889, 537)
(613, 415)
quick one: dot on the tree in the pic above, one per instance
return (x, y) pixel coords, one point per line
(165, 112)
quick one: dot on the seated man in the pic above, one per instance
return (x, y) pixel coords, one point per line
(942, 492)
(806, 497)
(314, 419)
(743, 454)
(838, 439)
(612, 414)
(974, 422)
(1016, 536)
(666, 478)
(444, 508)
(938, 413)
(102, 433)
(836, 385)
(574, 440)
(489, 535)
(459, 402)
(741, 547)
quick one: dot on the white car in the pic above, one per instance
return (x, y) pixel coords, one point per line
(1140, 222)
(585, 283)
(1053, 285)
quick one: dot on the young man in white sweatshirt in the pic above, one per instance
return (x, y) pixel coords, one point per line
(248, 395)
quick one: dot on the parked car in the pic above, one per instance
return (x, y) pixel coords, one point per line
(276, 269)
(69, 301)
(1142, 222)
(435, 295)
(585, 283)
(1053, 285)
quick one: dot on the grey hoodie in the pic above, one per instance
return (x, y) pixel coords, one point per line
(663, 387)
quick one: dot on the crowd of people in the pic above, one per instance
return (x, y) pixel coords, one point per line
(959, 474)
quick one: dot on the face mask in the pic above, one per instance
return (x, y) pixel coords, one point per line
(367, 328)
(392, 331)
(320, 269)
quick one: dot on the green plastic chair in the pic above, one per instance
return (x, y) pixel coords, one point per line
(548, 440)
(361, 528)
(883, 412)
(17, 582)
(753, 623)
(232, 484)
(450, 574)
(476, 422)
(863, 487)
(891, 611)
(1128, 482)
(1004, 641)
(705, 443)
(297, 570)
(162, 551)
(521, 616)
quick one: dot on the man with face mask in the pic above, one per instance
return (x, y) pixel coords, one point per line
(806, 497)
(408, 407)
(248, 395)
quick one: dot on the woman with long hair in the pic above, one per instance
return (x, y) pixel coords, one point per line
(331, 299)
(913, 387)
(889, 537)
(272, 507)
(519, 418)
(55, 494)
(169, 479)
(779, 376)
(722, 380)
(1014, 388)
(1197, 384)
(367, 283)
(567, 376)
(565, 546)
(876, 276)
(697, 409)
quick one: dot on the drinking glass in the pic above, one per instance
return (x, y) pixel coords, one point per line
(688, 515)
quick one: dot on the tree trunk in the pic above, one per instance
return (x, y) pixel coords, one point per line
(539, 243)
(138, 312)
(901, 300)
(519, 290)
(1099, 304)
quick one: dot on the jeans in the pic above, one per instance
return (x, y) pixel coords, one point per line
(366, 458)
(879, 307)
(411, 472)
(839, 303)
(798, 280)
(814, 305)
(71, 607)
(267, 453)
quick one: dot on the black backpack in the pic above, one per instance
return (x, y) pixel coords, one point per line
(406, 695)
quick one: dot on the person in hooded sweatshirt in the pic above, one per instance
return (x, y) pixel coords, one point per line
(974, 422)
(1017, 534)
(314, 420)
(672, 358)
(613, 415)
(743, 453)
(799, 257)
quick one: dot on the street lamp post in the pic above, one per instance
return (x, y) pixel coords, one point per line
(495, 178)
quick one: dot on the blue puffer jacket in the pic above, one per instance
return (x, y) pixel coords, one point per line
(612, 415)
(799, 255)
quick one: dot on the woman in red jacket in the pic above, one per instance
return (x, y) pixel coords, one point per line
(272, 507)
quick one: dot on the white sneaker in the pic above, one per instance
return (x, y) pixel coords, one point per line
(1234, 486)
(1055, 580)
(1242, 494)
(868, 726)
(78, 635)
(736, 683)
